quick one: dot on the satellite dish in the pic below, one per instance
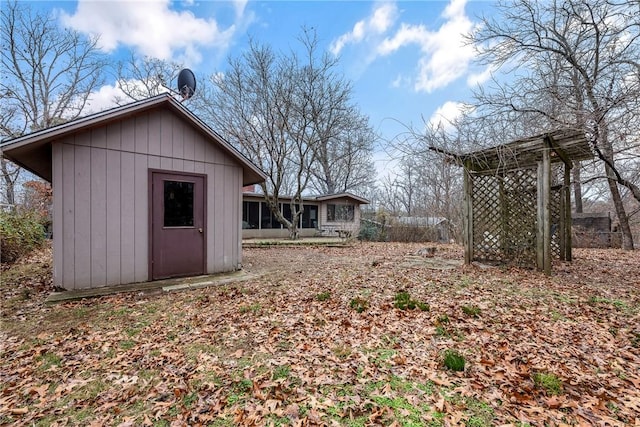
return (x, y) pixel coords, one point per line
(186, 83)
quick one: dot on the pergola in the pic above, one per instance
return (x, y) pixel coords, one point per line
(517, 200)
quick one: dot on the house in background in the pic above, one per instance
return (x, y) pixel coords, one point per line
(329, 215)
(140, 192)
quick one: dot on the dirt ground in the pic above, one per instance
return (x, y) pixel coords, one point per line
(322, 337)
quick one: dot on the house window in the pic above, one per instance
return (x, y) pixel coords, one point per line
(178, 204)
(268, 219)
(310, 216)
(250, 215)
(337, 212)
(286, 212)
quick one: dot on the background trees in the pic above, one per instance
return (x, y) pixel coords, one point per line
(576, 63)
(292, 115)
(48, 74)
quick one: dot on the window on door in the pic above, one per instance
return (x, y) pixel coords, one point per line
(178, 204)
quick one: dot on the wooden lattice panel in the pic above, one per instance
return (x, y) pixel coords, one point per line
(520, 200)
(487, 210)
(556, 218)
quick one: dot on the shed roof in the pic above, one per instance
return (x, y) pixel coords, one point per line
(33, 151)
(565, 145)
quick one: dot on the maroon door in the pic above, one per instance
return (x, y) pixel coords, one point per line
(177, 225)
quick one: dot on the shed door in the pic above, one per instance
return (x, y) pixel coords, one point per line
(178, 225)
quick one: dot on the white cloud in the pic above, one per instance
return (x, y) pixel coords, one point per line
(381, 19)
(476, 79)
(151, 27)
(446, 114)
(110, 96)
(103, 99)
(444, 55)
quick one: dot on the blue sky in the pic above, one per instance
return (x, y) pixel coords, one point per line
(406, 59)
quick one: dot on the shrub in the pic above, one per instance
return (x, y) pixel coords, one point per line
(454, 360)
(370, 231)
(20, 233)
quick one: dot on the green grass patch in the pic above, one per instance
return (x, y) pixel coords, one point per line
(471, 310)
(281, 372)
(251, 308)
(549, 382)
(359, 304)
(453, 360)
(403, 301)
(48, 360)
(323, 296)
(127, 344)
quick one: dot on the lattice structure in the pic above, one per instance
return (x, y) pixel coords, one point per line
(505, 214)
(517, 200)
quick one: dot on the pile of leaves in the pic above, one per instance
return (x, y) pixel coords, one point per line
(288, 348)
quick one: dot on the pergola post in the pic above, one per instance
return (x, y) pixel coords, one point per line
(567, 213)
(468, 215)
(546, 211)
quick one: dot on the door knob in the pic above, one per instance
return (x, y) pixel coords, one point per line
(200, 230)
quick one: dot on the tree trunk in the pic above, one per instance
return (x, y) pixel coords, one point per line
(623, 219)
(605, 149)
(9, 179)
(577, 187)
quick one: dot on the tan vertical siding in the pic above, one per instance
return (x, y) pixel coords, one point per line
(114, 213)
(141, 219)
(127, 215)
(98, 224)
(68, 220)
(82, 209)
(58, 209)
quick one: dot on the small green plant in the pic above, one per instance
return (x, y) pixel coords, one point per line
(441, 331)
(359, 304)
(454, 360)
(549, 382)
(342, 351)
(282, 371)
(403, 301)
(253, 308)
(323, 296)
(471, 310)
(635, 339)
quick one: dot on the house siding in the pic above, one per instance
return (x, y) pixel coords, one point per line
(100, 203)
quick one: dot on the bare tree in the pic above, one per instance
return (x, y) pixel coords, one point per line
(48, 74)
(140, 78)
(280, 110)
(590, 49)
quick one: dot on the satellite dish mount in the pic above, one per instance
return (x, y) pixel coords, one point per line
(186, 83)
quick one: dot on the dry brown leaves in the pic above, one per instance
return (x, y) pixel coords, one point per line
(287, 349)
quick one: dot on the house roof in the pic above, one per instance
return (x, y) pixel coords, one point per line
(321, 198)
(345, 195)
(33, 151)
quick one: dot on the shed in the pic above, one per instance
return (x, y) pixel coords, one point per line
(517, 201)
(141, 192)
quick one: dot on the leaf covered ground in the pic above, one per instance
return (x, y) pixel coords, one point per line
(352, 336)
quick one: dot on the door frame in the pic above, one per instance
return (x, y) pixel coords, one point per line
(151, 172)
